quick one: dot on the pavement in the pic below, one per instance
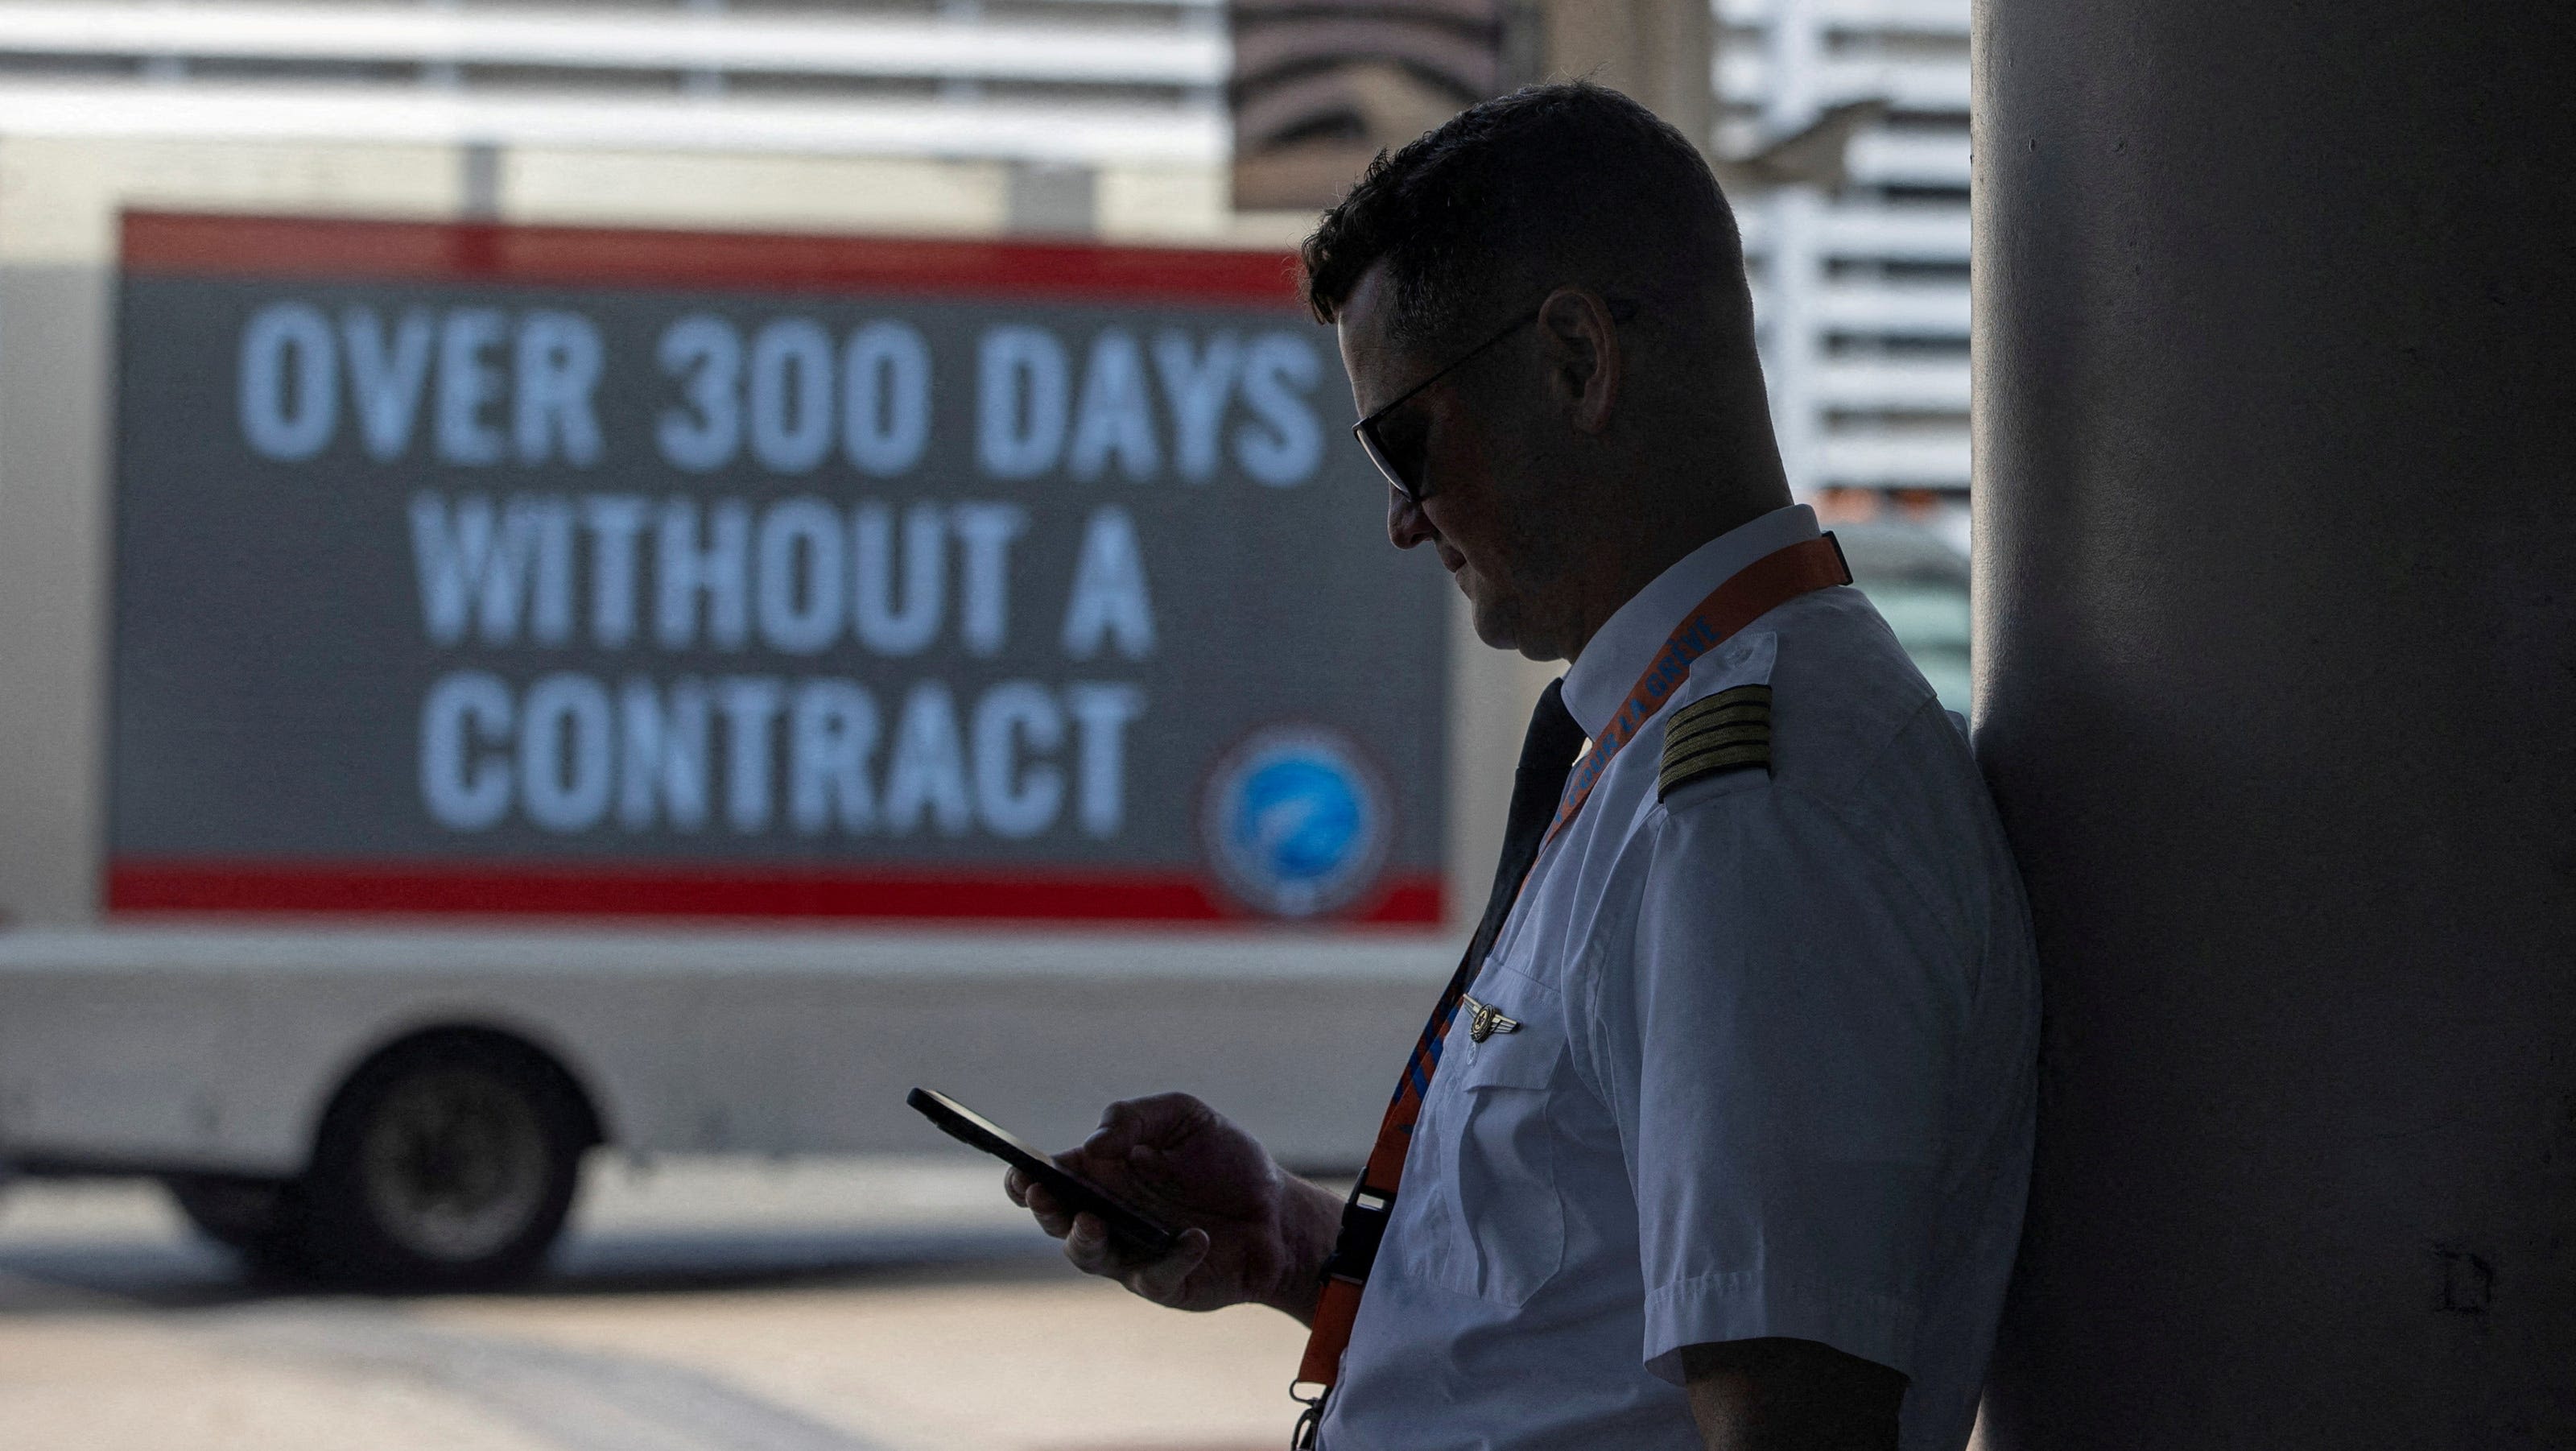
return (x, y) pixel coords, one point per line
(879, 1305)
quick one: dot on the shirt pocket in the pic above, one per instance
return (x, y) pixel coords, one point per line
(1489, 1220)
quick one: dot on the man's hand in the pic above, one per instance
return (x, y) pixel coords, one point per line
(1790, 1395)
(1250, 1232)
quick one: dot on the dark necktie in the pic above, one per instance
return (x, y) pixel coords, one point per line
(1547, 758)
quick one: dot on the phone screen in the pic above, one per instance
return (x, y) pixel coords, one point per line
(966, 1126)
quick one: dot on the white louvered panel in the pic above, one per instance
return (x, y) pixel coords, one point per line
(1861, 294)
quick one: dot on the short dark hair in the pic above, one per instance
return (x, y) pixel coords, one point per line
(1567, 183)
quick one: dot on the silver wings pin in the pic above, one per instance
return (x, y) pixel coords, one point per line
(1485, 1020)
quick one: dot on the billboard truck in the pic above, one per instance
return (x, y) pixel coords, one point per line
(675, 691)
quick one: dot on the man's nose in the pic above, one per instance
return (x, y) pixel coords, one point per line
(1405, 526)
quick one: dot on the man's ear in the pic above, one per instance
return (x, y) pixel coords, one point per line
(1581, 345)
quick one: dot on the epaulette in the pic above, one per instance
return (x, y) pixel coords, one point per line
(1728, 731)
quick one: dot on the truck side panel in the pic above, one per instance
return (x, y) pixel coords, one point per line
(158, 1049)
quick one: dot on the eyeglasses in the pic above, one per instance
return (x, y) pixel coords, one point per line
(1399, 456)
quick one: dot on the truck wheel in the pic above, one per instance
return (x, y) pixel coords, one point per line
(255, 1218)
(444, 1164)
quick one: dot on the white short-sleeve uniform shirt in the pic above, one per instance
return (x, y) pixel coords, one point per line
(1774, 1074)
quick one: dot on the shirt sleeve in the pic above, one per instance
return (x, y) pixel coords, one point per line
(1775, 1043)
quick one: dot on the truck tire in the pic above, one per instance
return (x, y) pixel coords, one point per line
(446, 1163)
(255, 1218)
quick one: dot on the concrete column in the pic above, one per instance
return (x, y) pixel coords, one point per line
(2276, 498)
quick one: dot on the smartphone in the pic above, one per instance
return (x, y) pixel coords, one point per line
(965, 1125)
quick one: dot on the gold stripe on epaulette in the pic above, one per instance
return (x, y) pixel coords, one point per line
(1727, 731)
(1697, 741)
(1750, 713)
(1744, 706)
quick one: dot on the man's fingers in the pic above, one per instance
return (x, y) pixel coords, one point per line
(1119, 1126)
(1051, 1215)
(1092, 1251)
(1150, 1165)
(1162, 1280)
(1086, 1243)
(1161, 1119)
(1016, 1185)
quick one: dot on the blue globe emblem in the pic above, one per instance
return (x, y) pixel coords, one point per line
(1295, 822)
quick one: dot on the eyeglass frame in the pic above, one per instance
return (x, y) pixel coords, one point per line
(1621, 310)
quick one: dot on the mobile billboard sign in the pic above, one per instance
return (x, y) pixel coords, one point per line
(477, 568)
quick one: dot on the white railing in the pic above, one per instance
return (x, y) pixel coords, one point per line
(1947, 18)
(1070, 133)
(1913, 83)
(1141, 81)
(955, 47)
(1866, 231)
(1923, 310)
(1887, 158)
(1896, 459)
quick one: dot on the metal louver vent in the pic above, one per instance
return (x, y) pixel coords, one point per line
(1320, 86)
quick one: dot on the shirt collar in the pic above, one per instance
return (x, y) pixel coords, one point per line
(1599, 680)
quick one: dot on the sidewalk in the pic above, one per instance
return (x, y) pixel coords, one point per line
(885, 1306)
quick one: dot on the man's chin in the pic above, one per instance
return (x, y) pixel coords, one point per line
(1497, 624)
(1503, 621)
(1506, 630)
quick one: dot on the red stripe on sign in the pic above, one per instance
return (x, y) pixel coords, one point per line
(1062, 895)
(343, 249)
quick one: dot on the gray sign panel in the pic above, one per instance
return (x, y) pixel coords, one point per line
(933, 602)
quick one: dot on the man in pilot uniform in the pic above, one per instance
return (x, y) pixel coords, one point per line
(1720, 1137)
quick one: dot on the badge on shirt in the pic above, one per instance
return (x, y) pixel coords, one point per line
(1485, 1020)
